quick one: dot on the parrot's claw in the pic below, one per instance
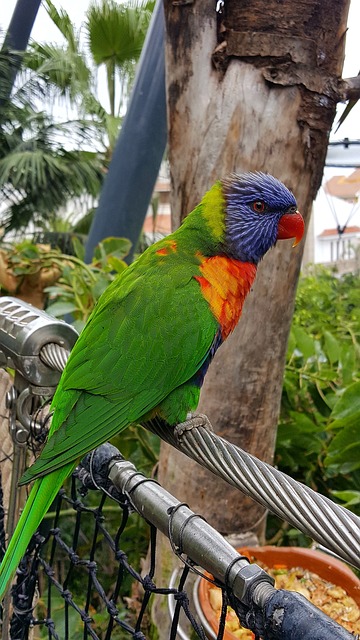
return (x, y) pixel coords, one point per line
(192, 422)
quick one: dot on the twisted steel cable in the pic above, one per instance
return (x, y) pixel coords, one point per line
(333, 526)
(54, 356)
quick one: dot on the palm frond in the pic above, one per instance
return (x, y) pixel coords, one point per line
(75, 175)
(63, 68)
(45, 163)
(116, 31)
(38, 175)
(62, 20)
(350, 105)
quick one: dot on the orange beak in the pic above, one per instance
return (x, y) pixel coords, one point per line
(291, 225)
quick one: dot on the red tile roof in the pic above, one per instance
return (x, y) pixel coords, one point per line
(334, 232)
(162, 224)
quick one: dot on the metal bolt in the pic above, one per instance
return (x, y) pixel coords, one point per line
(247, 578)
(262, 592)
(21, 435)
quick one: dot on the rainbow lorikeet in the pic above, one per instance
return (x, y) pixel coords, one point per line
(149, 341)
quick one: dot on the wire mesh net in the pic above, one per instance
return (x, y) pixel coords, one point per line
(82, 577)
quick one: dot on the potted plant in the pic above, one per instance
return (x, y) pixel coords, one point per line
(336, 592)
(26, 269)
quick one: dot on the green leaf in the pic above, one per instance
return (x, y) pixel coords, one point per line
(348, 366)
(79, 248)
(344, 449)
(351, 421)
(348, 404)
(294, 439)
(61, 621)
(58, 309)
(118, 247)
(342, 468)
(78, 325)
(332, 347)
(291, 344)
(351, 497)
(328, 374)
(62, 20)
(58, 291)
(116, 264)
(100, 285)
(331, 400)
(304, 342)
(303, 422)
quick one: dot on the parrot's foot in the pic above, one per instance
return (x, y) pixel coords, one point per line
(193, 421)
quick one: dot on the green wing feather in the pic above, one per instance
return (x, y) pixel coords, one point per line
(142, 342)
(147, 337)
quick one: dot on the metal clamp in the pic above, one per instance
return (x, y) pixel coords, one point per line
(24, 332)
(20, 414)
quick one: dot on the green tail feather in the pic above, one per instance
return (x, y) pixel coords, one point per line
(41, 496)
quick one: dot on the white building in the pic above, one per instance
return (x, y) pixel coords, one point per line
(334, 233)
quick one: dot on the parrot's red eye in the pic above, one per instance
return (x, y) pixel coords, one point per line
(258, 206)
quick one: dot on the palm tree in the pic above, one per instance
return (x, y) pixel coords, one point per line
(39, 173)
(45, 162)
(111, 39)
(115, 37)
(258, 111)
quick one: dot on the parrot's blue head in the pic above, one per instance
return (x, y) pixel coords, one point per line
(259, 211)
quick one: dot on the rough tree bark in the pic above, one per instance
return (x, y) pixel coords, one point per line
(252, 88)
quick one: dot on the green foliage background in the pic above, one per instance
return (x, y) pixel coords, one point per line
(318, 440)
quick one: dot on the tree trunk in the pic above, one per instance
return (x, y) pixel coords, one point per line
(252, 89)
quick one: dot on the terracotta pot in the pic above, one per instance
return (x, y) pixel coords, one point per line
(28, 287)
(323, 565)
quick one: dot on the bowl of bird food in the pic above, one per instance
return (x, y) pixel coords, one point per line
(326, 582)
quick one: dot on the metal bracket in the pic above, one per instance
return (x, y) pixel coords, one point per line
(10, 403)
(24, 332)
(21, 421)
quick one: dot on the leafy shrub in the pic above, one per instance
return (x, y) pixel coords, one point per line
(80, 285)
(318, 440)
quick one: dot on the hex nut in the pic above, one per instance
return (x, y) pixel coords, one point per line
(247, 579)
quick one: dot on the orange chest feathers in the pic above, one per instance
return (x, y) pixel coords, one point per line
(225, 284)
